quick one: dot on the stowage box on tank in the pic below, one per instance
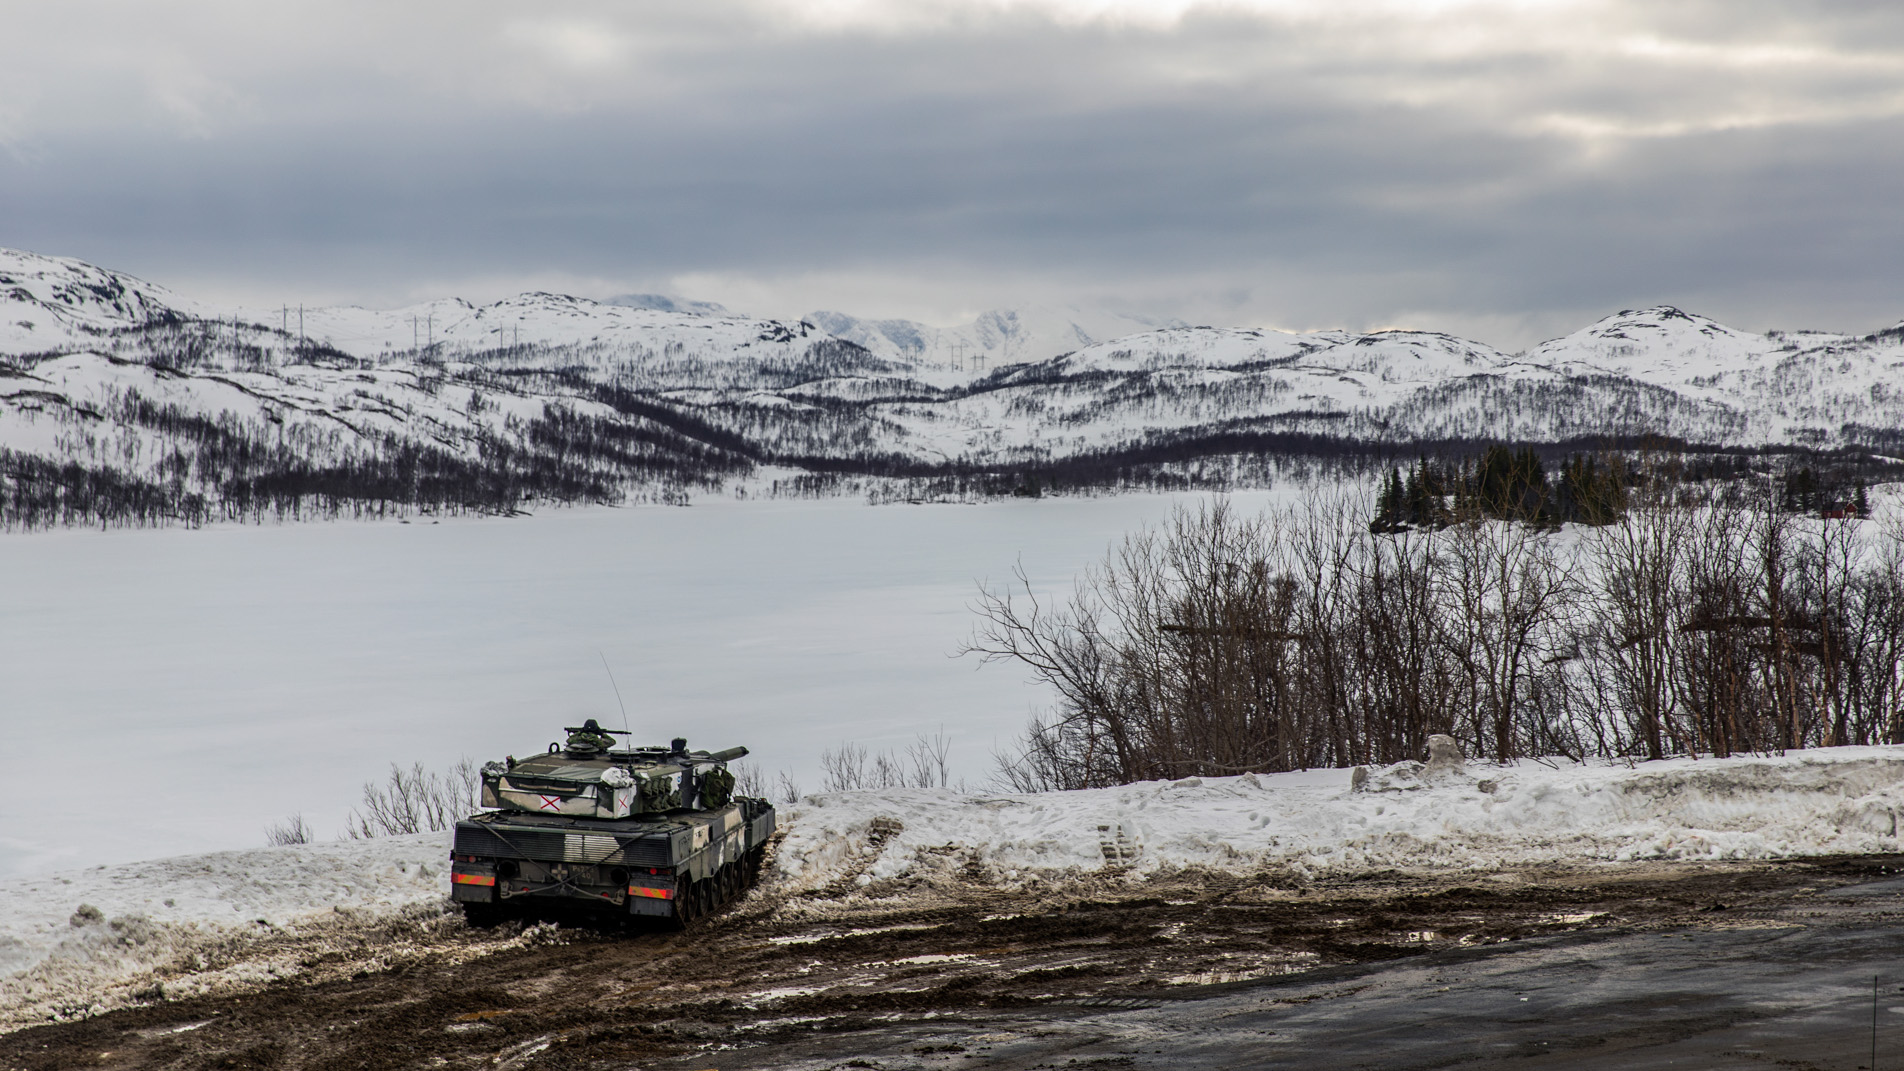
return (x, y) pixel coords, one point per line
(646, 831)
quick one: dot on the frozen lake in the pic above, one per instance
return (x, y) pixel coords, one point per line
(175, 691)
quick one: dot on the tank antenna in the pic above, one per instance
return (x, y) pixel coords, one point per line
(617, 687)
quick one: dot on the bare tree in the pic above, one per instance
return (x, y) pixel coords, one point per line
(1188, 651)
(1639, 562)
(1507, 591)
(1402, 680)
(1878, 677)
(1697, 622)
(1319, 546)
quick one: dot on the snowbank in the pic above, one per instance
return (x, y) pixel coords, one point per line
(183, 925)
(1802, 803)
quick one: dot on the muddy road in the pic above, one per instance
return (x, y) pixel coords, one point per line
(1635, 965)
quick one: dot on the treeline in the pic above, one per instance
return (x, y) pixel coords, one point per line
(1699, 621)
(36, 492)
(1503, 484)
(1592, 488)
(159, 464)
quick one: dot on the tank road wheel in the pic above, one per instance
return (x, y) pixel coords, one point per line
(700, 899)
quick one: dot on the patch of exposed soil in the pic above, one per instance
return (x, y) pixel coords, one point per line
(771, 971)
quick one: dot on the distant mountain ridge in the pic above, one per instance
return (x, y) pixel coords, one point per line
(104, 378)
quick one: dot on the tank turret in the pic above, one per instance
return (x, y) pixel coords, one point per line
(591, 782)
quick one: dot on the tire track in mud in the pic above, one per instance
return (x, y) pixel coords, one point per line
(811, 970)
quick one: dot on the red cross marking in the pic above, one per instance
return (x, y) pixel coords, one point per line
(551, 803)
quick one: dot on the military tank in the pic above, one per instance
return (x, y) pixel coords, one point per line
(614, 832)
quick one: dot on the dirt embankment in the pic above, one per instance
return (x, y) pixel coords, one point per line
(434, 993)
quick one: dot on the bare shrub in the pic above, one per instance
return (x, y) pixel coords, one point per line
(292, 830)
(786, 789)
(748, 780)
(926, 761)
(843, 769)
(416, 801)
(851, 766)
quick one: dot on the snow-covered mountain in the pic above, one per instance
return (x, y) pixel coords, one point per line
(48, 303)
(545, 395)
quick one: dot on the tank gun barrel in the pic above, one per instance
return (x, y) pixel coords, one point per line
(728, 755)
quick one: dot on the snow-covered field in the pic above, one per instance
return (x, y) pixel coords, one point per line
(177, 691)
(75, 942)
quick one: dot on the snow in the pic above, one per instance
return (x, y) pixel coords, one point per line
(276, 885)
(51, 302)
(77, 942)
(1840, 800)
(220, 680)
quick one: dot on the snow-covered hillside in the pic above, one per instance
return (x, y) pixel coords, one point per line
(53, 303)
(545, 396)
(76, 943)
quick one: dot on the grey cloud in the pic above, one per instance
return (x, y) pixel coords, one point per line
(1293, 173)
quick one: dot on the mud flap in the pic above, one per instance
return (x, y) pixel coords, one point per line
(642, 905)
(472, 883)
(650, 894)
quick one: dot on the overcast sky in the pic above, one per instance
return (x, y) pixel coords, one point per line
(1502, 170)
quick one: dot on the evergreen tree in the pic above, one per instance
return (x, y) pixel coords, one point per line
(1800, 491)
(1390, 505)
(1512, 485)
(1426, 496)
(1589, 492)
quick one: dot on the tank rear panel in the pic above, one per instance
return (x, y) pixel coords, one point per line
(639, 866)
